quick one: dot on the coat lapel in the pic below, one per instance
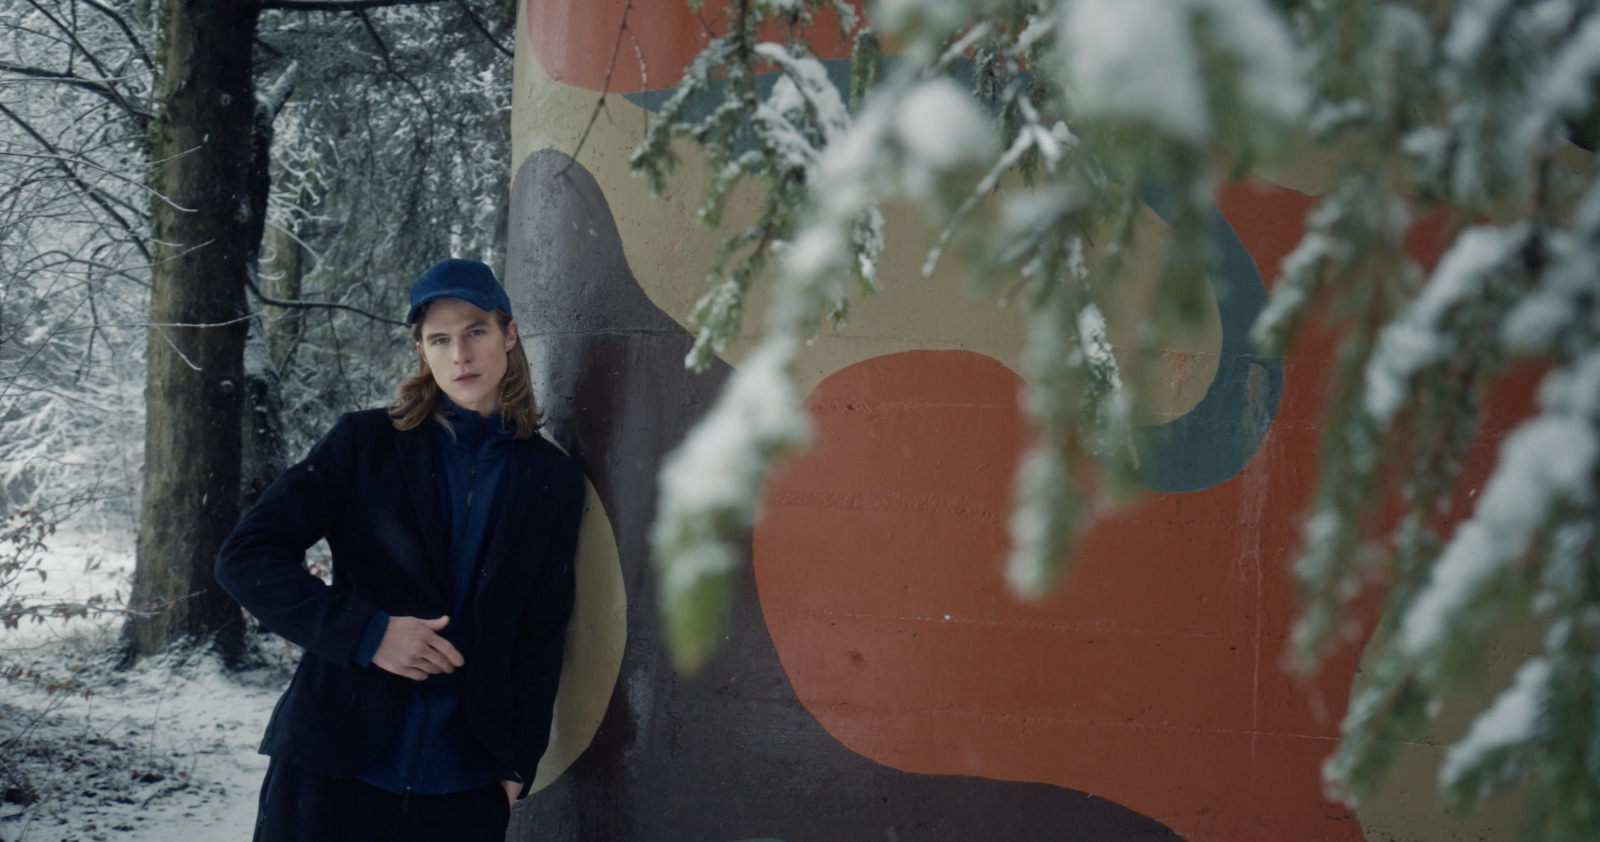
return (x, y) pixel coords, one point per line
(521, 503)
(416, 455)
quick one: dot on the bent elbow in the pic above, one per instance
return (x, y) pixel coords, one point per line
(226, 567)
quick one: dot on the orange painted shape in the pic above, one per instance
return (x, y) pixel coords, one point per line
(1270, 220)
(1154, 677)
(1150, 679)
(575, 40)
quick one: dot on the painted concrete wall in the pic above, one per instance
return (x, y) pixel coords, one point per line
(878, 681)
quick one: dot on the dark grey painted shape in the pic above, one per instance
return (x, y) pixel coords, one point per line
(731, 753)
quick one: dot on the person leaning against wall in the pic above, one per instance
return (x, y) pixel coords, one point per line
(423, 701)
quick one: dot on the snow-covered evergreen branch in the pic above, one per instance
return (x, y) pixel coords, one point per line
(920, 135)
(1465, 107)
(1099, 106)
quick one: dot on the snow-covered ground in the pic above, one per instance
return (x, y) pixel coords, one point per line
(166, 750)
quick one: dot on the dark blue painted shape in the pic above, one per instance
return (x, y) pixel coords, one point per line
(704, 101)
(1212, 442)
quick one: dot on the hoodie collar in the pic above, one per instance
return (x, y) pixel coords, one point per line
(469, 426)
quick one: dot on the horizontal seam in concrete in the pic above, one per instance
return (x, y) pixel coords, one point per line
(846, 406)
(1096, 723)
(1027, 624)
(888, 501)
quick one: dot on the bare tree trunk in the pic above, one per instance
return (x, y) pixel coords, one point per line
(195, 387)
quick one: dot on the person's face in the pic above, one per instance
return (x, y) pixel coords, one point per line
(466, 351)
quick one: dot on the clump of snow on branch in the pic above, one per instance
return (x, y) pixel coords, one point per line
(923, 16)
(1049, 505)
(804, 94)
(1039, 535)
(1504, 727)
(1140, 61)
(1096, 348)
(1133, 59)
(1547, 462)
(939, 130)
(705, 489)
(1550, 319)
(1477, 117)
(1421, 338)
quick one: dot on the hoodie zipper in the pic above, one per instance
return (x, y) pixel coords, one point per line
(466, 516)
(472, 484)
(416, 756)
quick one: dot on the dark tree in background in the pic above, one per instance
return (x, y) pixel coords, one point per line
(195, 380)
(394, 94)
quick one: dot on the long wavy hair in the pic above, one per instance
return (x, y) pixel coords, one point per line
(417, 399)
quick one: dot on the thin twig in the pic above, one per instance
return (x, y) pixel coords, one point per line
(311, 305)
(127, 30)
(341, 5)
(176, 349)
(91, 58)
(316, 257)
(478, 24)
(136, 183)
(388, 64)
(95, 86)
(383, 49)
(94, 194)
(600, 103)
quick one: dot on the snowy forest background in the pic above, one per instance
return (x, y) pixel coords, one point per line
(376, 141)
(380, 142)
(386, 131)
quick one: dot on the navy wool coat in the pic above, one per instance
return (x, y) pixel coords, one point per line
(372, 491)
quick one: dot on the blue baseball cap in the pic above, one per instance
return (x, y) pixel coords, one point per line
(454, 277)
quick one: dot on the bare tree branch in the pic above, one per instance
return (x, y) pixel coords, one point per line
(315, 305)
(72, 35)
(341, 5)
(95, 195)
(270, 100)
(94, 86)
(479, 25)
(127, 29)
(388, 63)
(109, 173)
(600, 103)
(383, 49)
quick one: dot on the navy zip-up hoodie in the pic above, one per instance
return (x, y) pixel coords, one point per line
(433, 752)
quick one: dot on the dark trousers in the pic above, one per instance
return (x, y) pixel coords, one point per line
(297, 806)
